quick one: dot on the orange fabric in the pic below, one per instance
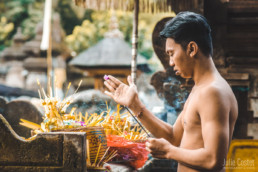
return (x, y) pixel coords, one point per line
(132, 153)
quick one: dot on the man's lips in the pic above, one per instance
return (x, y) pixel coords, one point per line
(177, 72)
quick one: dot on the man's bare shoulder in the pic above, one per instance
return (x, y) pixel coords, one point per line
(216, 90)
(215, 97)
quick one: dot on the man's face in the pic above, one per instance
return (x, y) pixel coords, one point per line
(179, 59)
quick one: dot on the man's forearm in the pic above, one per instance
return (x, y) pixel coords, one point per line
(199, 159)
(157, 127)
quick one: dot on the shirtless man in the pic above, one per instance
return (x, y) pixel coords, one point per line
(200, 138)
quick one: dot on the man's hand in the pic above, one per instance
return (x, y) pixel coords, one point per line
(159, 148)
(120, 92)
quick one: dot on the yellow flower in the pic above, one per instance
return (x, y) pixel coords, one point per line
(9, 27)
(3, 20)
(70, 38)
(76, 30)
(86, 23)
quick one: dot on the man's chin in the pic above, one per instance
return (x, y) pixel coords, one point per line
(184, 76)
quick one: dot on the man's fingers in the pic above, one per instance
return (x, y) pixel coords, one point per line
(150, 140)
(151, 146)
(147, 149)
(154, 146)
(147, 144)
(158, 156)
(109, 94)
(151, 143)
(116, 81)
(112, 84)
(109, 86)
(130, 81)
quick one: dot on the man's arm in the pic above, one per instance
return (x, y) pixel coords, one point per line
(213, 111)
(157, 127)
(128, 96)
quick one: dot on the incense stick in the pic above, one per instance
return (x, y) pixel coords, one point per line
(108, 156)
(112, 155)
(88, 150)
(67, 89)
(103, 157)
(97, 155)
(137, 121)
(40, 88)
(39, 94)
(78, 87)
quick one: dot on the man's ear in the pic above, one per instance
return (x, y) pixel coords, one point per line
(192, 49)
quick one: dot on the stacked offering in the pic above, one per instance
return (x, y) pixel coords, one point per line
(109, 133)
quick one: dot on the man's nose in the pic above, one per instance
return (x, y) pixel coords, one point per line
(171, 62)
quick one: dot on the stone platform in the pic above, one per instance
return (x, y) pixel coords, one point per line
(62, 151)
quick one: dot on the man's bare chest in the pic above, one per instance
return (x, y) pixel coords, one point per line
(190, 117)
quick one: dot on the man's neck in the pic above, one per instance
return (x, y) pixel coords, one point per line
(204, 70)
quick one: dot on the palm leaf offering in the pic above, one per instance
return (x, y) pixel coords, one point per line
(29, 124)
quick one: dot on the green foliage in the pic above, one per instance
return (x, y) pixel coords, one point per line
(17, 10)
(5, 30)
(126, 24)
(68, 16)
(82, 37)
(2, 6)
(28, 13)
(92, 31)
(25, 14)
(146, 24)
(29, 24)
(84, 27)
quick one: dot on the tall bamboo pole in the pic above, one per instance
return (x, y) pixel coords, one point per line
(46, 42)
(135, 41)
(49, 61)
(49, 54)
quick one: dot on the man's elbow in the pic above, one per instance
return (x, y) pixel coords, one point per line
(215, 165)
(174, 140)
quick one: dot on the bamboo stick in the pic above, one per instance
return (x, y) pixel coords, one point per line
(135, 41)
(103, 157)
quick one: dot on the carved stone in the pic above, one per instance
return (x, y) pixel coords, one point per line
(47, 152)
(17, 109)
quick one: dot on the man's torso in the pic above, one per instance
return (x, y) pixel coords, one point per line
(191, 120)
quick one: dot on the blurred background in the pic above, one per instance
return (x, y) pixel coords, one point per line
(82, 40)
(87, 43)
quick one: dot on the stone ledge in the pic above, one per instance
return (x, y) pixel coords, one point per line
(62, 151)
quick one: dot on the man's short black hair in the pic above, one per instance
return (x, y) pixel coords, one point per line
(189, 26)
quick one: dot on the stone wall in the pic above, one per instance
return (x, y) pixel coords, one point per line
(235, 32)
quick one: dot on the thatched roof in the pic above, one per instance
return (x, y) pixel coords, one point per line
(126, 5)
(149, 6)
(113, 52)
